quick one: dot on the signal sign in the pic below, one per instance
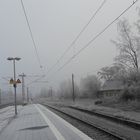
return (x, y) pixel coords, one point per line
(14, 82)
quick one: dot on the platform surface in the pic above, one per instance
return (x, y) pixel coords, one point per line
(35, 122)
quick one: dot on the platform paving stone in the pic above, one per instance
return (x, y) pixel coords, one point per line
(27, 125)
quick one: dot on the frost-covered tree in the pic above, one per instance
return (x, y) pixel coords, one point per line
(114, 72)
(89, 86)
(128, 44)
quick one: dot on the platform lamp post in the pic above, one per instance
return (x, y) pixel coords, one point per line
(14, 81)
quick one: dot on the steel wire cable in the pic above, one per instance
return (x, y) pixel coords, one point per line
(94, 38)
(78, 36)
(31, 34)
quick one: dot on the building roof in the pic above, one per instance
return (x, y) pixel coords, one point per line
(112, 85)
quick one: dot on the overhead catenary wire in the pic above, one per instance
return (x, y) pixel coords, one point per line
(36, 80)
(94, 38)
(31, 34)
(78, 36)
(34, 75)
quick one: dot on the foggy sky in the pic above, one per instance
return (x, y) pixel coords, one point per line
(55, 24)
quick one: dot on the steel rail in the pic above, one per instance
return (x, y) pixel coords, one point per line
(115, 135)
(124, 121)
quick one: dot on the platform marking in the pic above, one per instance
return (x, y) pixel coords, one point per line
(74, 129)
(51, 126)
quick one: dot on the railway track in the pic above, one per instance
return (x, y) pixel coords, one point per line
(102, 129)
(129, 123)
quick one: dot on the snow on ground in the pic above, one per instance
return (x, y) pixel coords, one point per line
(6, 115)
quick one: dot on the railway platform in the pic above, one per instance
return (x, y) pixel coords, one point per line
(35, 122)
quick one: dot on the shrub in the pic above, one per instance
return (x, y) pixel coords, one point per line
(127, 95)
(98, 102)
(137, 93)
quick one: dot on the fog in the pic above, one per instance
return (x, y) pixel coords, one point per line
(54, 25)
